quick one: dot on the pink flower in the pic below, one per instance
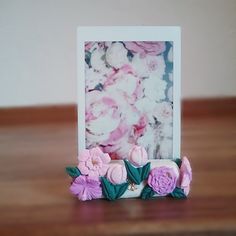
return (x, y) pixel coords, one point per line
(88, 45)
(140, 128)
(162, 180)
(146, 48)
(86, 188)
(138, 156)
(93, 162)
(102, 115)
(185, 175)
(117, 134)
(116, 173)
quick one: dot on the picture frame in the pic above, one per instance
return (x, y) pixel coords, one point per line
(113, 54)
(111, 34)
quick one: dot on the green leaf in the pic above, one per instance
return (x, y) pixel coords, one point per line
(133, 173)
(113, 191)
(137, 175)
(147, 192)
(88, 57)
(178, 161)
(145, 171)
(178, 193)
(120, 189)
(73, 171)
(99, 87)
(103, 57)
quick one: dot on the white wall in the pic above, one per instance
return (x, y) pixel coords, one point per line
(38, 44)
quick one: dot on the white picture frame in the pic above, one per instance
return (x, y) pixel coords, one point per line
(106, 34)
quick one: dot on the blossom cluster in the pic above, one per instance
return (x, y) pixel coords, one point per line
(129, 97)
(94, 165)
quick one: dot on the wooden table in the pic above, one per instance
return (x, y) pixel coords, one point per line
(34, 196)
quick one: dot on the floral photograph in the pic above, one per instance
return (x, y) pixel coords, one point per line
(129, 97)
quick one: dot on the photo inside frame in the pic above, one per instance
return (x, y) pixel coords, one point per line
(129, 97)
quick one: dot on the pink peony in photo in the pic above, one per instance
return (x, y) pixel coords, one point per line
(129, 99)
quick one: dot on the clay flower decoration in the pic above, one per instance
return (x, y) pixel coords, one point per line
(116, 173)
(185, 175)
(146, 48)
(93, 162)
(86, 188)
(138, 156)
(162, 180)
(137, 165)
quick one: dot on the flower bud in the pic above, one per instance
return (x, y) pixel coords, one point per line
(116, 173)
(138, 156)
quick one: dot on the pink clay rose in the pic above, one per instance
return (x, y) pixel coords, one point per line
(116, 173)
(138, 156)
(185, 175)
(146, 48)
(162, 180)
(93, 162)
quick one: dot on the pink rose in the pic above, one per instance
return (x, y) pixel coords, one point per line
(138, 156)
(116, 173)
(93, 162)
(146, 48)
(162, 180)
(185, 175)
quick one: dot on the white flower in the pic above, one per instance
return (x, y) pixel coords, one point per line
(154, 88)
(148, 65)
(149, 141)
(123, 89)
(98, 61)
(93, 78)
(146, 106)
(122, 148)
(165, 130)
(125, 83)
(126, 108)
(102, 114)
(116, 55)
(93, 140)
(163, 112)
(166, 147)
(170, 93)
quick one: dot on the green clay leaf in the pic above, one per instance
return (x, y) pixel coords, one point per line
(113, 191)
(133, 173)
(73, 171)
(178, 162)
(147, 192)
(120, 189)
(178, 193)
(108, 190)
(145, 171)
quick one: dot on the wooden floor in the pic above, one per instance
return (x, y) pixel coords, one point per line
(34, 196)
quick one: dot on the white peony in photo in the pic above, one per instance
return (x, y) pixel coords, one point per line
(129, 98)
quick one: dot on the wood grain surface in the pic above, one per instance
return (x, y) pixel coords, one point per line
(34, 196)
